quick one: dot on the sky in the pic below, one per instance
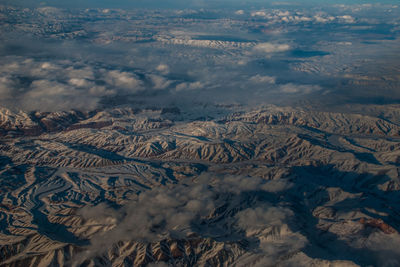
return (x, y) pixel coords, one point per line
(182, 3)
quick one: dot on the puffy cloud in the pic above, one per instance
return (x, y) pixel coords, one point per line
(6, 85)
(78, 82)
(275, 186)
(360, 7)
(344, 43)
(259, 13)
(263, 79)
(301, 18)
(239, 12)
(52, 95)
(283, 13)
(163, 68)
(346, 19)
(384, 248)
(179, 210)
(322, 18)
(189, 86)
(102, 213)
(269, 48)
(242, 62)
(84, 72)
(61, 84)
(282, 241)
(260, 217)
(123, 80)
(159, 82)
(276, 239)
(285, 16)
(291, 88)
(48, 10)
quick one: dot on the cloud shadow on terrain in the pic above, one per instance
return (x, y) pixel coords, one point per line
(313, 181)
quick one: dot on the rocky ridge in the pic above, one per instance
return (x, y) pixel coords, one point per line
(331, 178)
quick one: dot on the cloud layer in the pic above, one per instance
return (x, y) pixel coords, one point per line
(32, 84)
(183, 209)
(102, 57)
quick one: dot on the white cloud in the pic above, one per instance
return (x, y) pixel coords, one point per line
(346, 19)
(239, 12)
(179, 210)
(291, 88)
(78, 82)
(123, 80)
(85, 72)
(321, 18)
(301, 19)
(6, 85)
(384, 248)
(242, 62)
(283, 242)
(52, 95)
(284, 16)
(269, 225)
(269, 48)
(163, 68)
(102, 213)
(48, 66)
(283, 13)
(344, 43)
(263, 79)
(259, 14)
(47, 10)
(189, 86)
(159, 82)
(262, 217)
(60, 85)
